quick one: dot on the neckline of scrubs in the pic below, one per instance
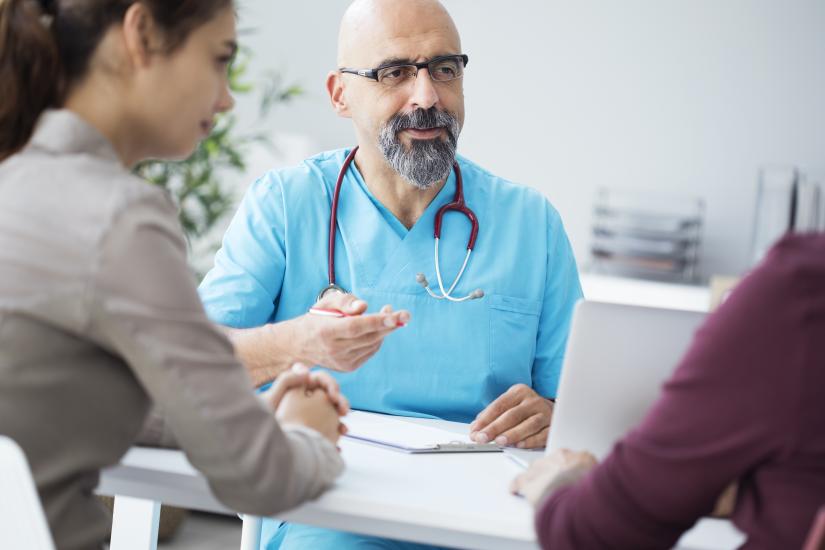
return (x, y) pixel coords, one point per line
(400, 229)
(378, 250)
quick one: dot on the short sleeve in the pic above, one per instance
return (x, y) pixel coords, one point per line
(562, 291)
(241, 289)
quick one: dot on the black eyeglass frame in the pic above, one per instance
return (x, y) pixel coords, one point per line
(373, 73)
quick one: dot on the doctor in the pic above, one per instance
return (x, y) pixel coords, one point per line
(493, 358)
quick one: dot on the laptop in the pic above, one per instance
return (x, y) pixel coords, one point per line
(617, 358)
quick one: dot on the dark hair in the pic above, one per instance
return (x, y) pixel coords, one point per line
(46, 45)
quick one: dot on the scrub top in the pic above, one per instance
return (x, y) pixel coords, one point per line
(452, 359)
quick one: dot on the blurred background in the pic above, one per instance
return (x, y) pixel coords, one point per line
(690, 103)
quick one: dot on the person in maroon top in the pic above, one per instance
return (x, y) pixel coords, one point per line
(745, 405)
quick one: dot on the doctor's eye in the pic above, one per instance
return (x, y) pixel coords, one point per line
(445, 70)
(396, 75)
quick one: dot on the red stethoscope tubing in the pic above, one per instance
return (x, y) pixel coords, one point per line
(457, 205)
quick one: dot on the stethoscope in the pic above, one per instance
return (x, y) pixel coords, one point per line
(457, 205)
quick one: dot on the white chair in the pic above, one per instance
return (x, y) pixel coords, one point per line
(22, 521)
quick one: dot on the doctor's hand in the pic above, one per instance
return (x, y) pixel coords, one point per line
(341, 343)
(345, 343)
(519, 418)
(550, 473)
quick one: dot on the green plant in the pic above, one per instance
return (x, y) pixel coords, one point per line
(195, 183)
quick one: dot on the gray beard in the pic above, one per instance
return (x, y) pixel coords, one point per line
(426, 162)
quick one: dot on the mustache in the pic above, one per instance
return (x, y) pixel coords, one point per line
(424, 119)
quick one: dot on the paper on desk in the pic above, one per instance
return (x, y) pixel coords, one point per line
(395, 432)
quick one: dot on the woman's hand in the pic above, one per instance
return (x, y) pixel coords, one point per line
(301, 377)
(311, 399)
(547, 474)
(311, 408)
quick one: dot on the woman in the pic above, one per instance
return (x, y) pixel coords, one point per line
(746, 405)
(99, 315)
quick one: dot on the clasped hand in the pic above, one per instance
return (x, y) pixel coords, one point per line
(310, 399)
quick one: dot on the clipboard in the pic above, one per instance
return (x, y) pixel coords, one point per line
(397, 434)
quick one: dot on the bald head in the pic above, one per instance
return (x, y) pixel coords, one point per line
(375, 30)
(404, 122)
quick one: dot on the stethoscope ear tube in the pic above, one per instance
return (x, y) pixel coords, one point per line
(333, 221)
(457, 205)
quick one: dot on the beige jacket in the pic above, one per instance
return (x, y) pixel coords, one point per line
(99, 317)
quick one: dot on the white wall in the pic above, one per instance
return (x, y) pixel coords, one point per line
(688, 97)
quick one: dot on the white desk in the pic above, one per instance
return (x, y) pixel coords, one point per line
(456, 500)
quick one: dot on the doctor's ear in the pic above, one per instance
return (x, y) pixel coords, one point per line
(335, 88)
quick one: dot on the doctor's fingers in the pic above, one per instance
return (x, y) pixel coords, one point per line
(519, 423)
(363, 340)
(348, 303)
(505, 402)
(336, 349)
(529, 433)
(355, 356)
(378, 323)
(535, 441)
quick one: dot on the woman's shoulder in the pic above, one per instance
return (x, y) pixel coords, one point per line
(79, 191)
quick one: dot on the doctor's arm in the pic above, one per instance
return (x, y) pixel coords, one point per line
(341, 344)
(240, 292)
(521, 416)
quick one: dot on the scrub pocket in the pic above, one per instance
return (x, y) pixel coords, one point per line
(513, 331)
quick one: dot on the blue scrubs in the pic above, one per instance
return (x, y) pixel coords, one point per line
(453, 359)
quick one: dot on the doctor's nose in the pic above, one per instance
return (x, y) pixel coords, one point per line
(423, 94)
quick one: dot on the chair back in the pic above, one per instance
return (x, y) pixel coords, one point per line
(22, 521)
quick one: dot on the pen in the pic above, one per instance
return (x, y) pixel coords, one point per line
(330, 312)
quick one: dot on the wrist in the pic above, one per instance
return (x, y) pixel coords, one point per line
(263, 352)
(567, 477)
(296, 344)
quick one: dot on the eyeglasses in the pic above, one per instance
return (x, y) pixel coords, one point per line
(443, 68)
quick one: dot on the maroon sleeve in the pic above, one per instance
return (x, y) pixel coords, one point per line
(729, 406)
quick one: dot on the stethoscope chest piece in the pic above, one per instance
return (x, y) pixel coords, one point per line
(329, 289)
